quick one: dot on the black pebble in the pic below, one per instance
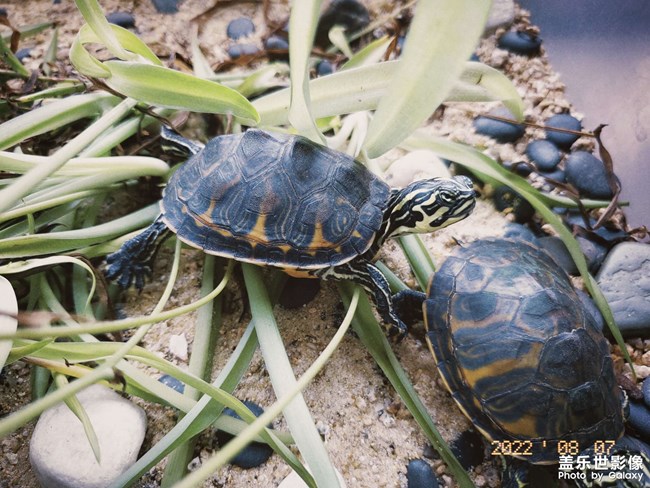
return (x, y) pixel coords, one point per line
(3, 12)
(518, 167)
(520, 42)
(505, 198)
(240, 27)
(518, 232)
(558, 251)
(607, 234)
(558, 175)
(172, 382)
(640, 420)
(123, 19)
(298, 292)
(348, 13)
(420, 475)
(468, 447)
(562, 121)
(256, 453)
(237, 50)
(587, 173)
(544, 154)
(324, 68)
(166, 6)
(497, 129)
(276, 42)
(56, 2)
(23, 53)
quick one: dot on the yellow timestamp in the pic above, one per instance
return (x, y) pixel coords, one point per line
(525, 447)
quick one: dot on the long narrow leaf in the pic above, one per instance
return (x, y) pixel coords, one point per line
(442, 35)
(302, 28)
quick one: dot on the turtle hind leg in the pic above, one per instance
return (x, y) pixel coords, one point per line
(373, 281)
(133, 262)
(408, 305)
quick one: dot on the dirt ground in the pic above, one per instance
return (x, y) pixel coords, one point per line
(367, 430)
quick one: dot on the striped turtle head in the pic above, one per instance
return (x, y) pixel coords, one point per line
(427, 205)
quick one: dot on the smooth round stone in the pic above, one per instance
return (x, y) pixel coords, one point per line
(544, 154)
(123, 19)
(256, 453)
(640, 420)
(468, 448)
(240, 27)
(562, 140)
(420, 475)
(60, 453)
(173, 383)
(23, 53)
(3, 12)
(587, 173)
(518, 232)
(237, 50)
(607, 234)
(298, 292)
(324, 68)
(497, 129)
(558, 175)
(509, 201)
(592, 309)
(594, 253)
(558, 251)
(520, 168)
(277, 43)
(416, 165)
(166, 6)
(624, 279)
(520, 42)
(645, 389)
(350, 14)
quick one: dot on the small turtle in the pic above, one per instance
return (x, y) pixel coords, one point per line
(284, 201)
(523, 360)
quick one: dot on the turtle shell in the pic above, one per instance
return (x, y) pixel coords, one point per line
(521, 357)
(275, 199)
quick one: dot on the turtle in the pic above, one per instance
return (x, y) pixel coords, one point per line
(283, 201)
(520, 355)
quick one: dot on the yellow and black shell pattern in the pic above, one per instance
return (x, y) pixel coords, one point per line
(275, 199)
(518, 352)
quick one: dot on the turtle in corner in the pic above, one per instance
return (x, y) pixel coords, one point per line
(281, 200)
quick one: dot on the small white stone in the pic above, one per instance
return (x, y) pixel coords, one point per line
(60, 453)
(416, 165)
(178, 346)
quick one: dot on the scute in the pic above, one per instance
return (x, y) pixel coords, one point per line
(518, 352)
(275, 199)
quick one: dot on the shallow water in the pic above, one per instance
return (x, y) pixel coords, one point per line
(601, 48)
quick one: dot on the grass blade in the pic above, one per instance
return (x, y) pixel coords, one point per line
(302, 28)
(442, 35)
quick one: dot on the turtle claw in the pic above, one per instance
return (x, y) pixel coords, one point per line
(124, 271)
(133, 262)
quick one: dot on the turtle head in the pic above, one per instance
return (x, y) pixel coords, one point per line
(428, 205)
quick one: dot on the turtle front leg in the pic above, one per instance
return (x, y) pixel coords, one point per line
(133, 262)
(373, 281)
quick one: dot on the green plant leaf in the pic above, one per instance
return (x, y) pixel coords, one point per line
(368, 55)
(127, 39)
(96, 20)
(8, 321)
(164, 87)
(442, 35)
(361, 88)
(302, 28)
(79, 411)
